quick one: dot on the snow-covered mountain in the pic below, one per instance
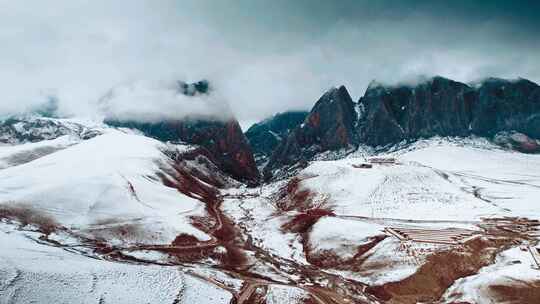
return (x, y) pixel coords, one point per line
(113, 212)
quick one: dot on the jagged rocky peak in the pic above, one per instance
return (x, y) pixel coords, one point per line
(329, 126)
(444, 107)
(226, 143)
(266, 135)
(330, 123)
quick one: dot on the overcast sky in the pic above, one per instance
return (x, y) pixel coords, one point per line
(261, 56)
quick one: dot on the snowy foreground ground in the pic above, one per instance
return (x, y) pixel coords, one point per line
(37, 273)
(92, 221)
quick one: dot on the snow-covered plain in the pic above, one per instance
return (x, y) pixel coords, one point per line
(509, 180)
(435, 181)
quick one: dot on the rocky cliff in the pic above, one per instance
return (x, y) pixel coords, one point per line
(445, 107)
(330, 126)
(504, 105)
(506, 111)
(266, 135)
(439, 106)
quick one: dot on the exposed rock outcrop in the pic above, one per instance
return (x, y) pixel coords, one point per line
(439, 106)
(330, 126)
(445, 107)
(387, 115)
(33, 128)
(505, 105)
(192, 89)
(266, 135)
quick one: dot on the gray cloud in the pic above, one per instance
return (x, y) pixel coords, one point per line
(261, 56)
(146, 101)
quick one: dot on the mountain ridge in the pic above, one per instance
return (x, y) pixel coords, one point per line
(508, 110)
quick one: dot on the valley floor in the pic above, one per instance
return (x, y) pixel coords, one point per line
(441, 222)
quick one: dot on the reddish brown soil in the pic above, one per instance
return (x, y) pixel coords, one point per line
(27, 215)
(252, 293)
(294, 197)
(301, 223)
(222, 229)
(440, 271)
(520, 292)
(185, 239)
(310, 300)
(189, 184)
(330, 260)
(203, 223)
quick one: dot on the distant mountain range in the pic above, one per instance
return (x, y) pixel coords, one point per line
(504, 111)
(507, 111)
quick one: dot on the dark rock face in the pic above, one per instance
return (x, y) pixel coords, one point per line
(329, 126)
(266, 135)
(438, 107)
(448, 108)
(226, 142)
(504, 105)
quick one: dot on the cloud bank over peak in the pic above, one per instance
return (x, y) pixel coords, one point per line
(262, 57)
(151, 101)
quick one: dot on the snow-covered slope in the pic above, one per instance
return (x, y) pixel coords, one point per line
(102, 186)
(433, 181)
(505, 179)
(332, 233)
(37, 273)
(13, 155)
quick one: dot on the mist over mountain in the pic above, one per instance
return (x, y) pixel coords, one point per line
(263, 58)
(163, 101)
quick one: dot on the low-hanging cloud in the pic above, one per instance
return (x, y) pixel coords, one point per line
(261, 57)
(145, 101)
